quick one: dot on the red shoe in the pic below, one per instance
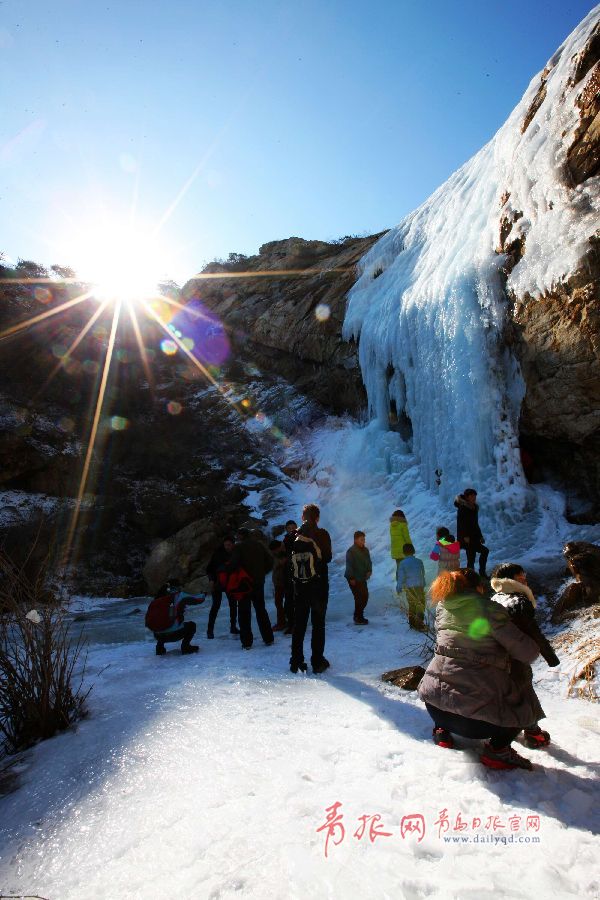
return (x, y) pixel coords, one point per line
(443, 738)
(504, 758)
(535, 740)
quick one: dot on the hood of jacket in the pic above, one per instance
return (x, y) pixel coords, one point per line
(451, 546)
(460, 500)
(508, 586)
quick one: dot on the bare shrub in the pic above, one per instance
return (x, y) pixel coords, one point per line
(40, 693)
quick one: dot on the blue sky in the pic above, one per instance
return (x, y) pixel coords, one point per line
(316, 119)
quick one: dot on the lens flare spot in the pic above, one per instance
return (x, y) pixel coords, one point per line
(71, 366)
(119, 423)
(322, 312)
(479, 628)
(168, 347)
(42, 295)
(246, 403)
(123, 355)
(188, 343)
(58, 350)
(174, 408)
(211, 343)
(91, 367)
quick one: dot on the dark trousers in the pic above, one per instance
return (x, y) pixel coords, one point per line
(183, 634)
(473, 548)
(217, 596)
(472, 728)
(310, 599)
(360, 592)
(288, 602)
(278, 596)
(256, 600)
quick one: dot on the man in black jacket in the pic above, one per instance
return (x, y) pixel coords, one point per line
(311, 582)
(253, 556)
(468, 531)
(217, 562)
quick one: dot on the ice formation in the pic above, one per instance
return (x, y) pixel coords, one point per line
(429, 306)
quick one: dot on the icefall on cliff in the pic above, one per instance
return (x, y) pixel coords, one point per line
(429, 306)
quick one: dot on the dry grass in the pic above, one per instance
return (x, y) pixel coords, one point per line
(39, 692)
(582, 645)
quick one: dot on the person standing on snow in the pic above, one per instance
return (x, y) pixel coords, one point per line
(468, 531)
(446, 551)
(280, 562)
(252, 556)
(399, 536)
(289, 537)
(358, 571)
(411, 580)
(218, 560)
(509, 581)
(311, 554)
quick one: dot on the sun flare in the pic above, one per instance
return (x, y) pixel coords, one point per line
(120, 263)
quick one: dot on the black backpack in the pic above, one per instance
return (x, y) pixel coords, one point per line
(306, 559)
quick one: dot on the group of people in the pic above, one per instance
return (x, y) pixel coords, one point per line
(479, 682)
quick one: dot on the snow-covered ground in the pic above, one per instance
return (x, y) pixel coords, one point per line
(209, 776)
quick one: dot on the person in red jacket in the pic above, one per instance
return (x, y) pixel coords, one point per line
(169, 606)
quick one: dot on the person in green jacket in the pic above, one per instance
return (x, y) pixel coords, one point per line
(358, 571)
(399, 536)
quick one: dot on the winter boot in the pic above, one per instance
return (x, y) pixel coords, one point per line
(503, 758)
(160, 649)
(360, 620)
(535, 738)
(234, 630)
(321, 666)
(297, 667)
(191, 648)
(443, 738)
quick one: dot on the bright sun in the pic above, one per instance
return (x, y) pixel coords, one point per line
(120, 263)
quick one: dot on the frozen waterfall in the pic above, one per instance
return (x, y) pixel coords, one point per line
(429, 306)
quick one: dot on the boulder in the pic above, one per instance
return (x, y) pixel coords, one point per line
(583, 562)
(181, 556)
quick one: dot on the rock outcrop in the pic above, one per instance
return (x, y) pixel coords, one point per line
(556, 336)
(284, 309)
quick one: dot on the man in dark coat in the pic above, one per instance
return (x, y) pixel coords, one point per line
(217, 562)
(468, 531)
(253, 556)
(312, 593)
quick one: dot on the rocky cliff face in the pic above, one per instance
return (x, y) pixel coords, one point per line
(556, 336)
(284, 309)
(168, 454)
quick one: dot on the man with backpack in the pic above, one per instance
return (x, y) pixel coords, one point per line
(252, 561)
(165, 617)
(311, 553)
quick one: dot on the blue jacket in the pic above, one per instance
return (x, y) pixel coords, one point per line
(411, 573)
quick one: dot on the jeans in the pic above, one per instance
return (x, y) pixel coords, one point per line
(183, 634)
(217, 596)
